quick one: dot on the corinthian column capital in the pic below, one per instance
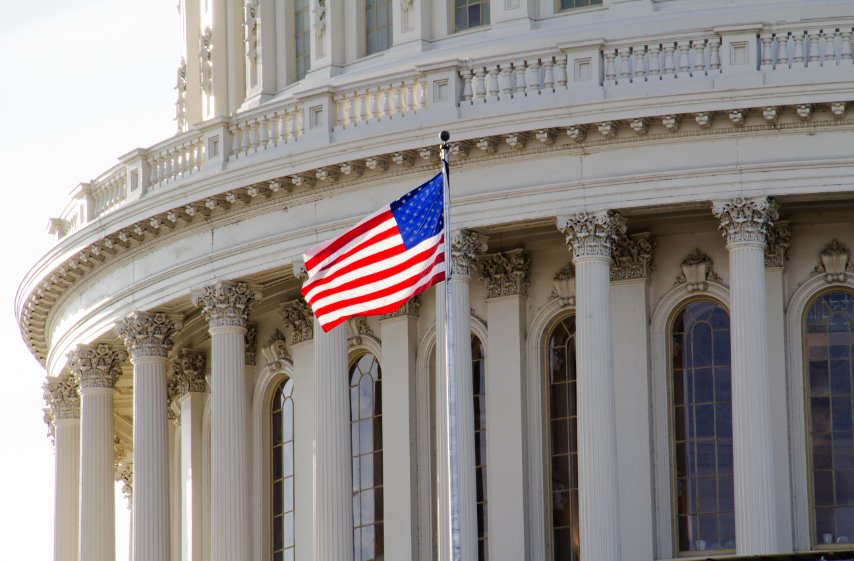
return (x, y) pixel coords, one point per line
(62, 397)
(227, 304)
(466, 246)
(148, 335)
(98, 366)
(506, 274)
(188, 372)
(746, 220)
(592, 234)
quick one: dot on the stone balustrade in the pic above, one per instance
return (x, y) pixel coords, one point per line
(465, 91)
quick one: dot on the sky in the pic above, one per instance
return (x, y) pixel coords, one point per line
(81, 83)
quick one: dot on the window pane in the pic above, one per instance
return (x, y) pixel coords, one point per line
(377, 26)
(828, 331)
(282, 471)
(702, 427)
(366, 453)
(470, 13)
(563, 478)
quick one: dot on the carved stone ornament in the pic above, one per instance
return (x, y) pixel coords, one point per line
(123, 468)
(746, 220)
(564, 285)
(298, 316)
(632, 257)
(227, 304)
(275, 352)
(466, 247)
(181, 102)
(148, 335)
(299, 271)
(411, 308)
(506, 274)
(592, 234)
(834, 262)
(697, 272)
(188, 371)
(97, 367)
(319, 13)
(777, 244)
(251, 343)
(253, 25)
(205, 67)
(173, 393)
(62, 398)
(357, 330)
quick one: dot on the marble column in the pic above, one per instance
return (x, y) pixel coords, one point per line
(148, 338)
(399, 336)
(63, 400)
(590, 236)
(745, 223)
(97, 368)
(333, 478)
(506, 276)
(226, 306)
(188, 376)
(466, 246)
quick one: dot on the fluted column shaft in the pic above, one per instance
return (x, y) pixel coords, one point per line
(229, 447)
(744, 223)
(98, 369)
(97, 497)
(148, 338)
(465, 247)
(226, 306)
(590, 237)
(67, 493)
(150, 460)
(333, 478)
(599, 513)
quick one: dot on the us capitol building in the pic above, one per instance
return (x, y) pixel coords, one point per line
(653, 210)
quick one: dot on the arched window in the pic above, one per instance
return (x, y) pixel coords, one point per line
(829, 351)
(282, 440)
(702, 427)
(378, 26)
(563, 441)
(478, 369)
(367, 452)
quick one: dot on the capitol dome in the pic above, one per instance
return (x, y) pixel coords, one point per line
(652, 226)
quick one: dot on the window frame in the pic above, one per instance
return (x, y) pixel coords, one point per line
(675, 312)
(365, 28)
(282, 383)
(559, 10)
(452, 16)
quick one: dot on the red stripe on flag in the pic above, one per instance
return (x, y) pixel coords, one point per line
(348, 236)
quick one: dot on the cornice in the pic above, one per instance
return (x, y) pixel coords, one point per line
(34, 305)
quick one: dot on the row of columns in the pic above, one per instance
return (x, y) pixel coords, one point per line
(226, 306)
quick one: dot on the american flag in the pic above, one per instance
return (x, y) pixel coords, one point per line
(381, 262)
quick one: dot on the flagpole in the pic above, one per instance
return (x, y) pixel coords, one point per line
(450, 367)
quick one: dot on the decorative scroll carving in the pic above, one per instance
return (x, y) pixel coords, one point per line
(466, 247)
(697, 272)
(564, 285)
(777, 244)
(173, 393)
(358, 328)
(411, 307)
(297, 315)
(181, 102)
(62, 396)
(834, 262)
(275, 352)
(253, 29)
(188, 371)
(632, 257)
(319, 13)
(592, 234)
(123, 468)
(147, 334)
(251, 343)
(227, 304)
(97, 367)
(746, 220)
(205, 65)
(505, 273)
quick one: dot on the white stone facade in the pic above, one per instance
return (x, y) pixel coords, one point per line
(599, 152)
